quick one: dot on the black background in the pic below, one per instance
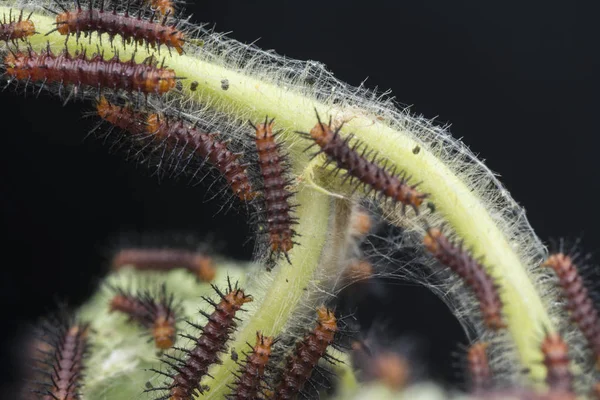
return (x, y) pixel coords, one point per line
(517, 81)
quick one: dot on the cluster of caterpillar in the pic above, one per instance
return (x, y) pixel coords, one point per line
(348, 154)
(96, 72)
(188, 370)
(355, 160)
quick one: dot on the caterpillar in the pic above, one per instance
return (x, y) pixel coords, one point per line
(124, 118)
(176, 133)
(556, 360)
(156, 313)
(95, 71)
(389, 368)
(199, 264)
(275, 195)
(358, 166)
(471, 271)
(19, 29)
(165, 7)
(249, 382)
(208, 147)
(579, 303)
(62, 366)
(308, 352)
(189, 370)
(480, 374)
(130, 28)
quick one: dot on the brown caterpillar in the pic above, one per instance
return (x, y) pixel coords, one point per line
(193, 366)
(156, 313)
(275, 194)
(198, 264)
(208, 147)
(556, 360)
(62, 366)
(480, 374)
(379, 178)
(95, 71)
(580, 305)
(471, 271)
(301, 363)
(19, 29)
(176, 133)
(249, 382)
(130, 28)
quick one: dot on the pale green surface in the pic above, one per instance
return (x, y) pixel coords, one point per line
(454, 201)
(121, 351)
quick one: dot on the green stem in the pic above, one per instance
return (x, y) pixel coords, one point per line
(271, 311)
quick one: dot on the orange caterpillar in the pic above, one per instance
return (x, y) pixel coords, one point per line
(307, 354)
(480, 375)
(471, 271)
(579, 303)
(273, 168)
(198, 264)
(184, 380)
(369, 173)
(19, 29)
(157, 315)
(249, 382)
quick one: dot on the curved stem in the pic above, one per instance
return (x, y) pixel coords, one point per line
(271, 310)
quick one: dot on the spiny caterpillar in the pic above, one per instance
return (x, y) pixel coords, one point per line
(370, 173)
(579, 303)
(62, 366)
(156, 313)
(130, 28)
(275, 195)
(199, 264)
(19, 29)
(205, 146)
(301, 363)
(189, 370)
(556, 359)
(480, 374)
(67, 69)
(176, 133)
(462, 263)
(165, 7)
(249, 382)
